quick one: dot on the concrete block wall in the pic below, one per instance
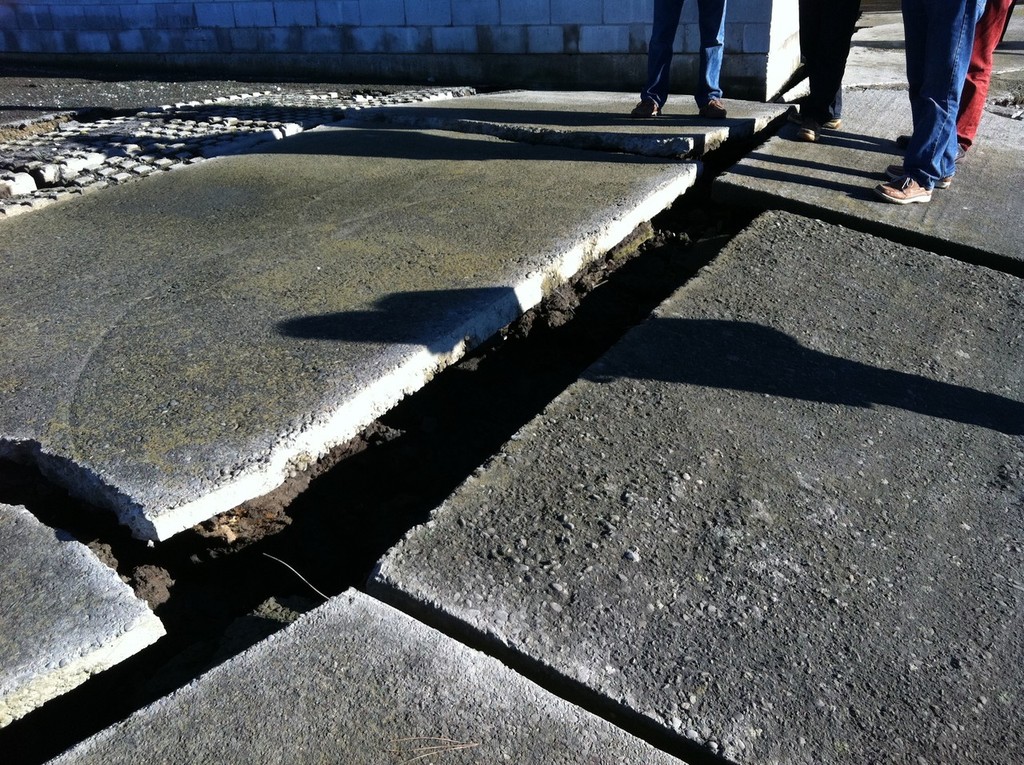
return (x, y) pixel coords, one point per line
(472, 41)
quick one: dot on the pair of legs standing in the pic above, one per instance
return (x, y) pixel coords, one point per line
(826, 29)
(939, 41)
(711, 20)
(989, 31)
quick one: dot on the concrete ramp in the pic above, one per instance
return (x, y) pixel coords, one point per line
(780, 522)
(64, 616)
(590, 120)
(977, 219)
(357, 682)
(180, 345)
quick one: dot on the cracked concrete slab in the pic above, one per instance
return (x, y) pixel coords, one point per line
(590, 120)
(977, 219)
(780, 521)
(180, 345)
(376, 687)
(64, 616)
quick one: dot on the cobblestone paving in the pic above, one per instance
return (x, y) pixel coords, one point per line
(79, 157)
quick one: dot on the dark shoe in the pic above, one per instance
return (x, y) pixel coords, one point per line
(645, 109)
(808, 131)
(713, 110)
(833, 124)
(903, 191)
(895, 172)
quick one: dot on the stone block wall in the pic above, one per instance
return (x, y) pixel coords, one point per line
(529, 43)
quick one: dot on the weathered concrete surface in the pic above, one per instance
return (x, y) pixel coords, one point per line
(375, 687)
(977, 219)
(781, 519)
(181, 345)
(64, 616)
(878, 59)
(591, 120)
(877, 55)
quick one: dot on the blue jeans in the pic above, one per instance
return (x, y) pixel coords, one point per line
(711, 16)
(939, 39)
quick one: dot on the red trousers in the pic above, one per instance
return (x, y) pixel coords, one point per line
(988, 33)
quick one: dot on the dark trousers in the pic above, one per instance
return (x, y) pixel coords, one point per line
(826, 28)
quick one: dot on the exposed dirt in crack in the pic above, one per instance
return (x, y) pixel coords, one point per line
(228, 583)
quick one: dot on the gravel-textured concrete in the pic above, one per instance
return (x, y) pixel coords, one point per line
(63, 615)
(357, 682)
(588, 120)
(781, 519)
(179, 345)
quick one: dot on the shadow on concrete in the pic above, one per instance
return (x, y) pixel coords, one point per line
(799, 174)
(426, 319)
(749, 357)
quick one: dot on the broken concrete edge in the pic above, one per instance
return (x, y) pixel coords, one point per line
(723, 190)
(300, 448)
(26, 687)
(143, 632)
(80, 482)
(297, 451)
(619, 713)
(591, 140)
(687, 147)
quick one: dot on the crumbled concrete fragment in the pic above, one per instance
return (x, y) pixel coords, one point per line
(16, 185)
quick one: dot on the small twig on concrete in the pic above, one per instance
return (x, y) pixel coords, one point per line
(442, 746)
(300, 576)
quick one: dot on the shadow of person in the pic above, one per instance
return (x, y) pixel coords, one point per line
(434, 319)
(750, 357)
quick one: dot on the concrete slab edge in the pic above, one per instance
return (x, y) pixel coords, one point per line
(673, 148)
(300, 450)
(297, 450)
(432, 615)
(145, 631)
(79, 481)
(725, 192)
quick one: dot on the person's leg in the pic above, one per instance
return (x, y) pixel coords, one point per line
(659, 51)
(941, 55)
(711, 16)
(987, 35)
(835, 109)
(810, 44)
(836, 24)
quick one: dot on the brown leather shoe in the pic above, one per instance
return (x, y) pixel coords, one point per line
(904, 191)
(714, 110)
(895, 172)
(645, 109)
